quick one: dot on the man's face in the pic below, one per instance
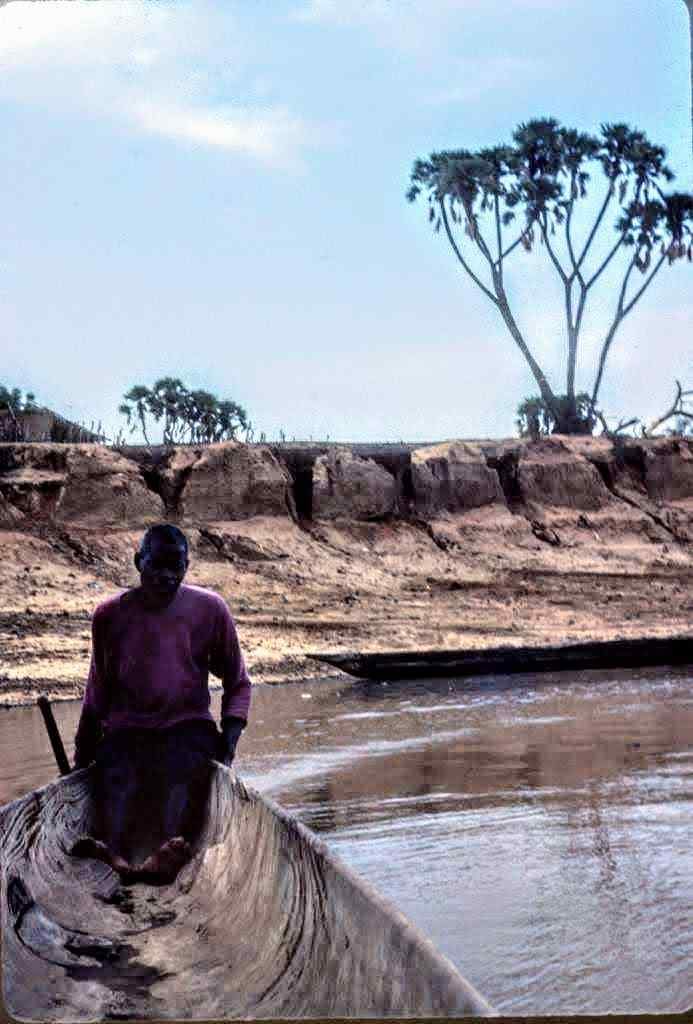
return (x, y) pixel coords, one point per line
(162, 568)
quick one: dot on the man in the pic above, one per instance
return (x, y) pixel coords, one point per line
(145, 715)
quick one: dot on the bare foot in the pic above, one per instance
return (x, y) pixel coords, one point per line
(123, 867)
(87, 846)
(164, 865)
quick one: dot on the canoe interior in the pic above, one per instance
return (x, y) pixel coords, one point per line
(513, 660)
(263, 922)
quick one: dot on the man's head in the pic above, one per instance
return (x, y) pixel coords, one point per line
(162, 561)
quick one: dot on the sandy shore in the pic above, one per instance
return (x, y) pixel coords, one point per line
(346, 586)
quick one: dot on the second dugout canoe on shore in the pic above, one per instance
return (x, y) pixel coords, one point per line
(392, 665)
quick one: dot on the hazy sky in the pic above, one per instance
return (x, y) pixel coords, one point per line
(216, 190)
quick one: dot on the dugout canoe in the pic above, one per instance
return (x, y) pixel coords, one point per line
(391, 665)
(264, 922)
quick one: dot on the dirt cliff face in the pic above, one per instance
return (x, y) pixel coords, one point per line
(453, 477)
(92, 486)
(546, 481)
(231, 481)
(452, 545)
(551, 474)
(86, 484)
(345, 486)
(10, 515)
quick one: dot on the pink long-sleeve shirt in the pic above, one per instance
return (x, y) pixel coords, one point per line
(149, 668)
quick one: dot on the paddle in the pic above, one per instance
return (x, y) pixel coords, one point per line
(54, 735)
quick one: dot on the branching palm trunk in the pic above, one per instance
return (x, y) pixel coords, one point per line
(499, 298)
(576, 285)
(623, 308)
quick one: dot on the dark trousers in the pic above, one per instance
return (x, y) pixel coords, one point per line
(152, 784)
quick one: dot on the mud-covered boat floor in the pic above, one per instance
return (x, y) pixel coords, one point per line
(344, 586)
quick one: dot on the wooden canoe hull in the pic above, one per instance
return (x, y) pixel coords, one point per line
(391, 665)
(264, 922)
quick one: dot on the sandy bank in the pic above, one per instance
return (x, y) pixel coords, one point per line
(453, 545)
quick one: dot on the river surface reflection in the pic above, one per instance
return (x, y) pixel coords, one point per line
(538, 830)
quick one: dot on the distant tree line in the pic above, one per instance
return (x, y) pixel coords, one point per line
(186, 415)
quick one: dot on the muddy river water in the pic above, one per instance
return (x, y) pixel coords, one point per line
(538, 830)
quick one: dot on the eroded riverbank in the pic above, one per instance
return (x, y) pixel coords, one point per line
(454, 545)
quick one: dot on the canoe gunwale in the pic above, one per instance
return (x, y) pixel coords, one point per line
(371, 894)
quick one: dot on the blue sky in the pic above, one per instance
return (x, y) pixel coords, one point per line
(216, 191)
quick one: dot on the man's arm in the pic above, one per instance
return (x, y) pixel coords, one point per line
(226, 661)
(231, 729)
(90, 727)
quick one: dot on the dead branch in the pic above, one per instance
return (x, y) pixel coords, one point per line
(619, 428)
(677, 409)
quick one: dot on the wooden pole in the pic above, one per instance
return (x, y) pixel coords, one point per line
(54, 735)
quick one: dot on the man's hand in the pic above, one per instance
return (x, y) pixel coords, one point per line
(231, 729)
(89, 735)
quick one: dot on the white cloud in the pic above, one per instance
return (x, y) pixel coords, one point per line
(145, 56)
(273, 137)
(480, 76)
(164, 69)
(50, 34)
